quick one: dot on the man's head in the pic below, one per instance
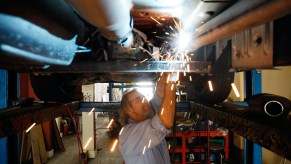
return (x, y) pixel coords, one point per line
(134, 105)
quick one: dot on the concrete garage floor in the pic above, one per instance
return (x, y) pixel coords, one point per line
(104, 156)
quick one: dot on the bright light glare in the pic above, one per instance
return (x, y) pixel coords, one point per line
(235, 90)
(146, 88)
(184, 40)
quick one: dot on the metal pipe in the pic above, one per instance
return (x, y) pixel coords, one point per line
(267, 12)
(32, 45)
(273, 108)
(112, 17)
(229, 14)
(269, 105)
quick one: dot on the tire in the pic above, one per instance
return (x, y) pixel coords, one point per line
(198, 89)
(53, 87)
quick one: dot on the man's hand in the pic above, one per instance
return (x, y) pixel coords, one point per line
(163, 80)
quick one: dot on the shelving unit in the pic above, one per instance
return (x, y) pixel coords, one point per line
(184, 148)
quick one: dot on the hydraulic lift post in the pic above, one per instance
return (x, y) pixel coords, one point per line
(253, 85)
(3, 104)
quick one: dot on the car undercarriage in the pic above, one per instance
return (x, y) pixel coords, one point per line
(63, 44)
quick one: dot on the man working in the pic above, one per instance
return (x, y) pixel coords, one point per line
(146, 124)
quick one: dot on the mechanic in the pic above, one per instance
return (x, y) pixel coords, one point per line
(146, 123)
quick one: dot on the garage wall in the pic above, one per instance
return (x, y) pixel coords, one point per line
(88, 92)
(277, 81)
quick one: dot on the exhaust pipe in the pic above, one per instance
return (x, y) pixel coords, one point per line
(269, 105)
(112, 17)
(273, 108)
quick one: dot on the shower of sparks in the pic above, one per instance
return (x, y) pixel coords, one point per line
(162, 111)
(172, 87)
(114, 145)
(162, 73)
(31, 126)
(91, 111)
(235, 90)
(159, 79)
(174, 48)
(144, 148)
(155, 20)
(135, 65)
(121, 131)
(142, 100)
(111, 121)
(171, 102)
(87, 143)
(169, 147)
(210, 85)
(150, 141)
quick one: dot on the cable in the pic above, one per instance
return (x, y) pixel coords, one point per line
(81, 151)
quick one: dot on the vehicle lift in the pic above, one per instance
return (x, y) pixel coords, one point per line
(272, 134)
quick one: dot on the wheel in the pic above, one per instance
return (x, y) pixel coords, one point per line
(198, 90)
(53, 87)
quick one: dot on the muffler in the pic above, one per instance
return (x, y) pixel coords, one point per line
(269, 105)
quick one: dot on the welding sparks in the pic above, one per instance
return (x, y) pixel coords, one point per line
(210, 85)
(114, 145)
(177, 76)
(87, 143)
(162, 111)
(184, 73)
(121, 131)
(111, 121)
(235, 90)
(162, 73)
(169, 146)
(143, 100)
(188, 68)
(31, 126)
(144, 60)
(172, 87)
(91, 111)
(150, 141)
(135, 65)
(168, 78)
(171, 102)
(190, 77)
(144, 149)
(155, 20)
(159, 79)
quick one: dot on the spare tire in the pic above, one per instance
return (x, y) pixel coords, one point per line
(198, 89)
(53, 87)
